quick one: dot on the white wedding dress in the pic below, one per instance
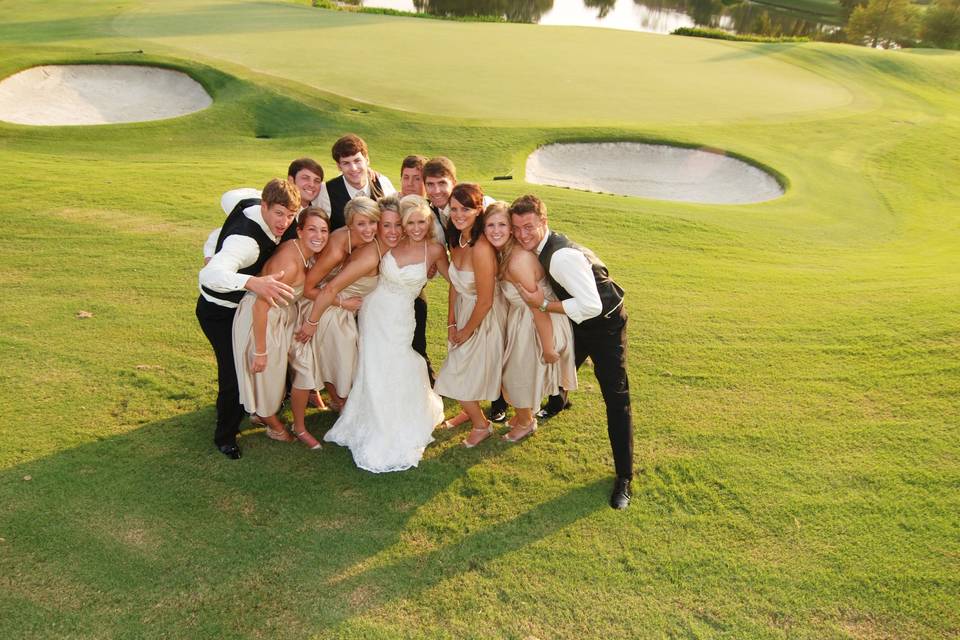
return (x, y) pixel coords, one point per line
(391, 412)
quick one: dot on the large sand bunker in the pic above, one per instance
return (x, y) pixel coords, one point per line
(654, 171)
(98, 94)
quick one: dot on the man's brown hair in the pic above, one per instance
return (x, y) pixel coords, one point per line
(309, 164)
(529, 204)
(413, 162)
(349, 145)
(281, 191)
(439, 167)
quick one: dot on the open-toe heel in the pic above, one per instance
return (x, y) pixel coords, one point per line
(306, 438)
(279, 436)
(487, 431)
(519, 432)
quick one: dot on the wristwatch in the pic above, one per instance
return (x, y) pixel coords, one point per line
(543, 306)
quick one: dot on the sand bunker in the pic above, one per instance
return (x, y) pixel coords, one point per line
(654, 171)
(98, 94)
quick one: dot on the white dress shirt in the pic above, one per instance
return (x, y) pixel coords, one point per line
(237, 252)
(323, 199)
(227, 202)
(572, 271)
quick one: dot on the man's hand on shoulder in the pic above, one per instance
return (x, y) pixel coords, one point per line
(270, 288)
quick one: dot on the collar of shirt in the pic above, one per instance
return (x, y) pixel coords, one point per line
(353, 193)
(254, 214)
(546, 234)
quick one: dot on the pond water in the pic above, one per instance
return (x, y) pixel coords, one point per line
(657, 171)
(653, 16)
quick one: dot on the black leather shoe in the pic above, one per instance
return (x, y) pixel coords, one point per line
(620, 498)
(232, 451)
(551, 409)
(496, 413)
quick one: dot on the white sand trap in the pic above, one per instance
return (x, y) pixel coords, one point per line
(98, 94)
(654, 171)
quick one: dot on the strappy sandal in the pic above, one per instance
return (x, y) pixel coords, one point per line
(307, 438)
(279, 436)
(488, 431)
(524, 430)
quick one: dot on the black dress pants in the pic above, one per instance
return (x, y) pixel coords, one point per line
(604, 340)
(217, 324)
(420, 332)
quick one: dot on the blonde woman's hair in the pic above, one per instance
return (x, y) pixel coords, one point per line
(389, 202)
(413, 204)
(503, 253)
(361, 206)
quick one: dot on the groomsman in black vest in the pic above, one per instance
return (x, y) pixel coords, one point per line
(252, 231)
(594, 304)
(305, 173)
(356, 179)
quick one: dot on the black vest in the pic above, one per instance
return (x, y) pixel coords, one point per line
(611, 295)
(337, 190)
(238, 224)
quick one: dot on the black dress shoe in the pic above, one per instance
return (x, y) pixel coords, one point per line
(551, 409)
(232, 451)
(620, 498)
(498, 410)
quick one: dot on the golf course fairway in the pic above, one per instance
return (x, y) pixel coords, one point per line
(794, 364)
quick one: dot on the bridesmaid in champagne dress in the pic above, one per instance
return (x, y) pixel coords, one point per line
(262, 333)
(334, 345)
(472, 370)
(530, 369)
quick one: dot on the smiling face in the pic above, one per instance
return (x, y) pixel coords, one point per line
(462, 217)
(528, 229)
(438, 190)
(497, 229)
(355, 169)
(411, 182)
(363, 227)
(278, 218)
(418, 225)
(390, 228)
(313, 234)
(309, 185)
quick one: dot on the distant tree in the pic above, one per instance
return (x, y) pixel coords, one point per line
(849, 5)
(603, 6)
(764, 26)
(883, 23)
(941, 24)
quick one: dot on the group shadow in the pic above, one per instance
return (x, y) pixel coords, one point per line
(155, 530)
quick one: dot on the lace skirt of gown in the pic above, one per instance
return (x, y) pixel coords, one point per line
(390, 416)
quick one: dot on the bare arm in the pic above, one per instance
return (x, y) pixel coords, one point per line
(331, 255)
(364, 261)
(524, 269)
(451, 312)
(485, 276)
(260, 310)
(440, 262)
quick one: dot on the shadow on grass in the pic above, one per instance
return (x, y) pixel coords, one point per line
(154, 533)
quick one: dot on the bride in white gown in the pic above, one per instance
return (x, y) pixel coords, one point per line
(392, 411)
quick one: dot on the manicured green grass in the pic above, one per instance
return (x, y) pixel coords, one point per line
(499, 71)
(793, 363)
